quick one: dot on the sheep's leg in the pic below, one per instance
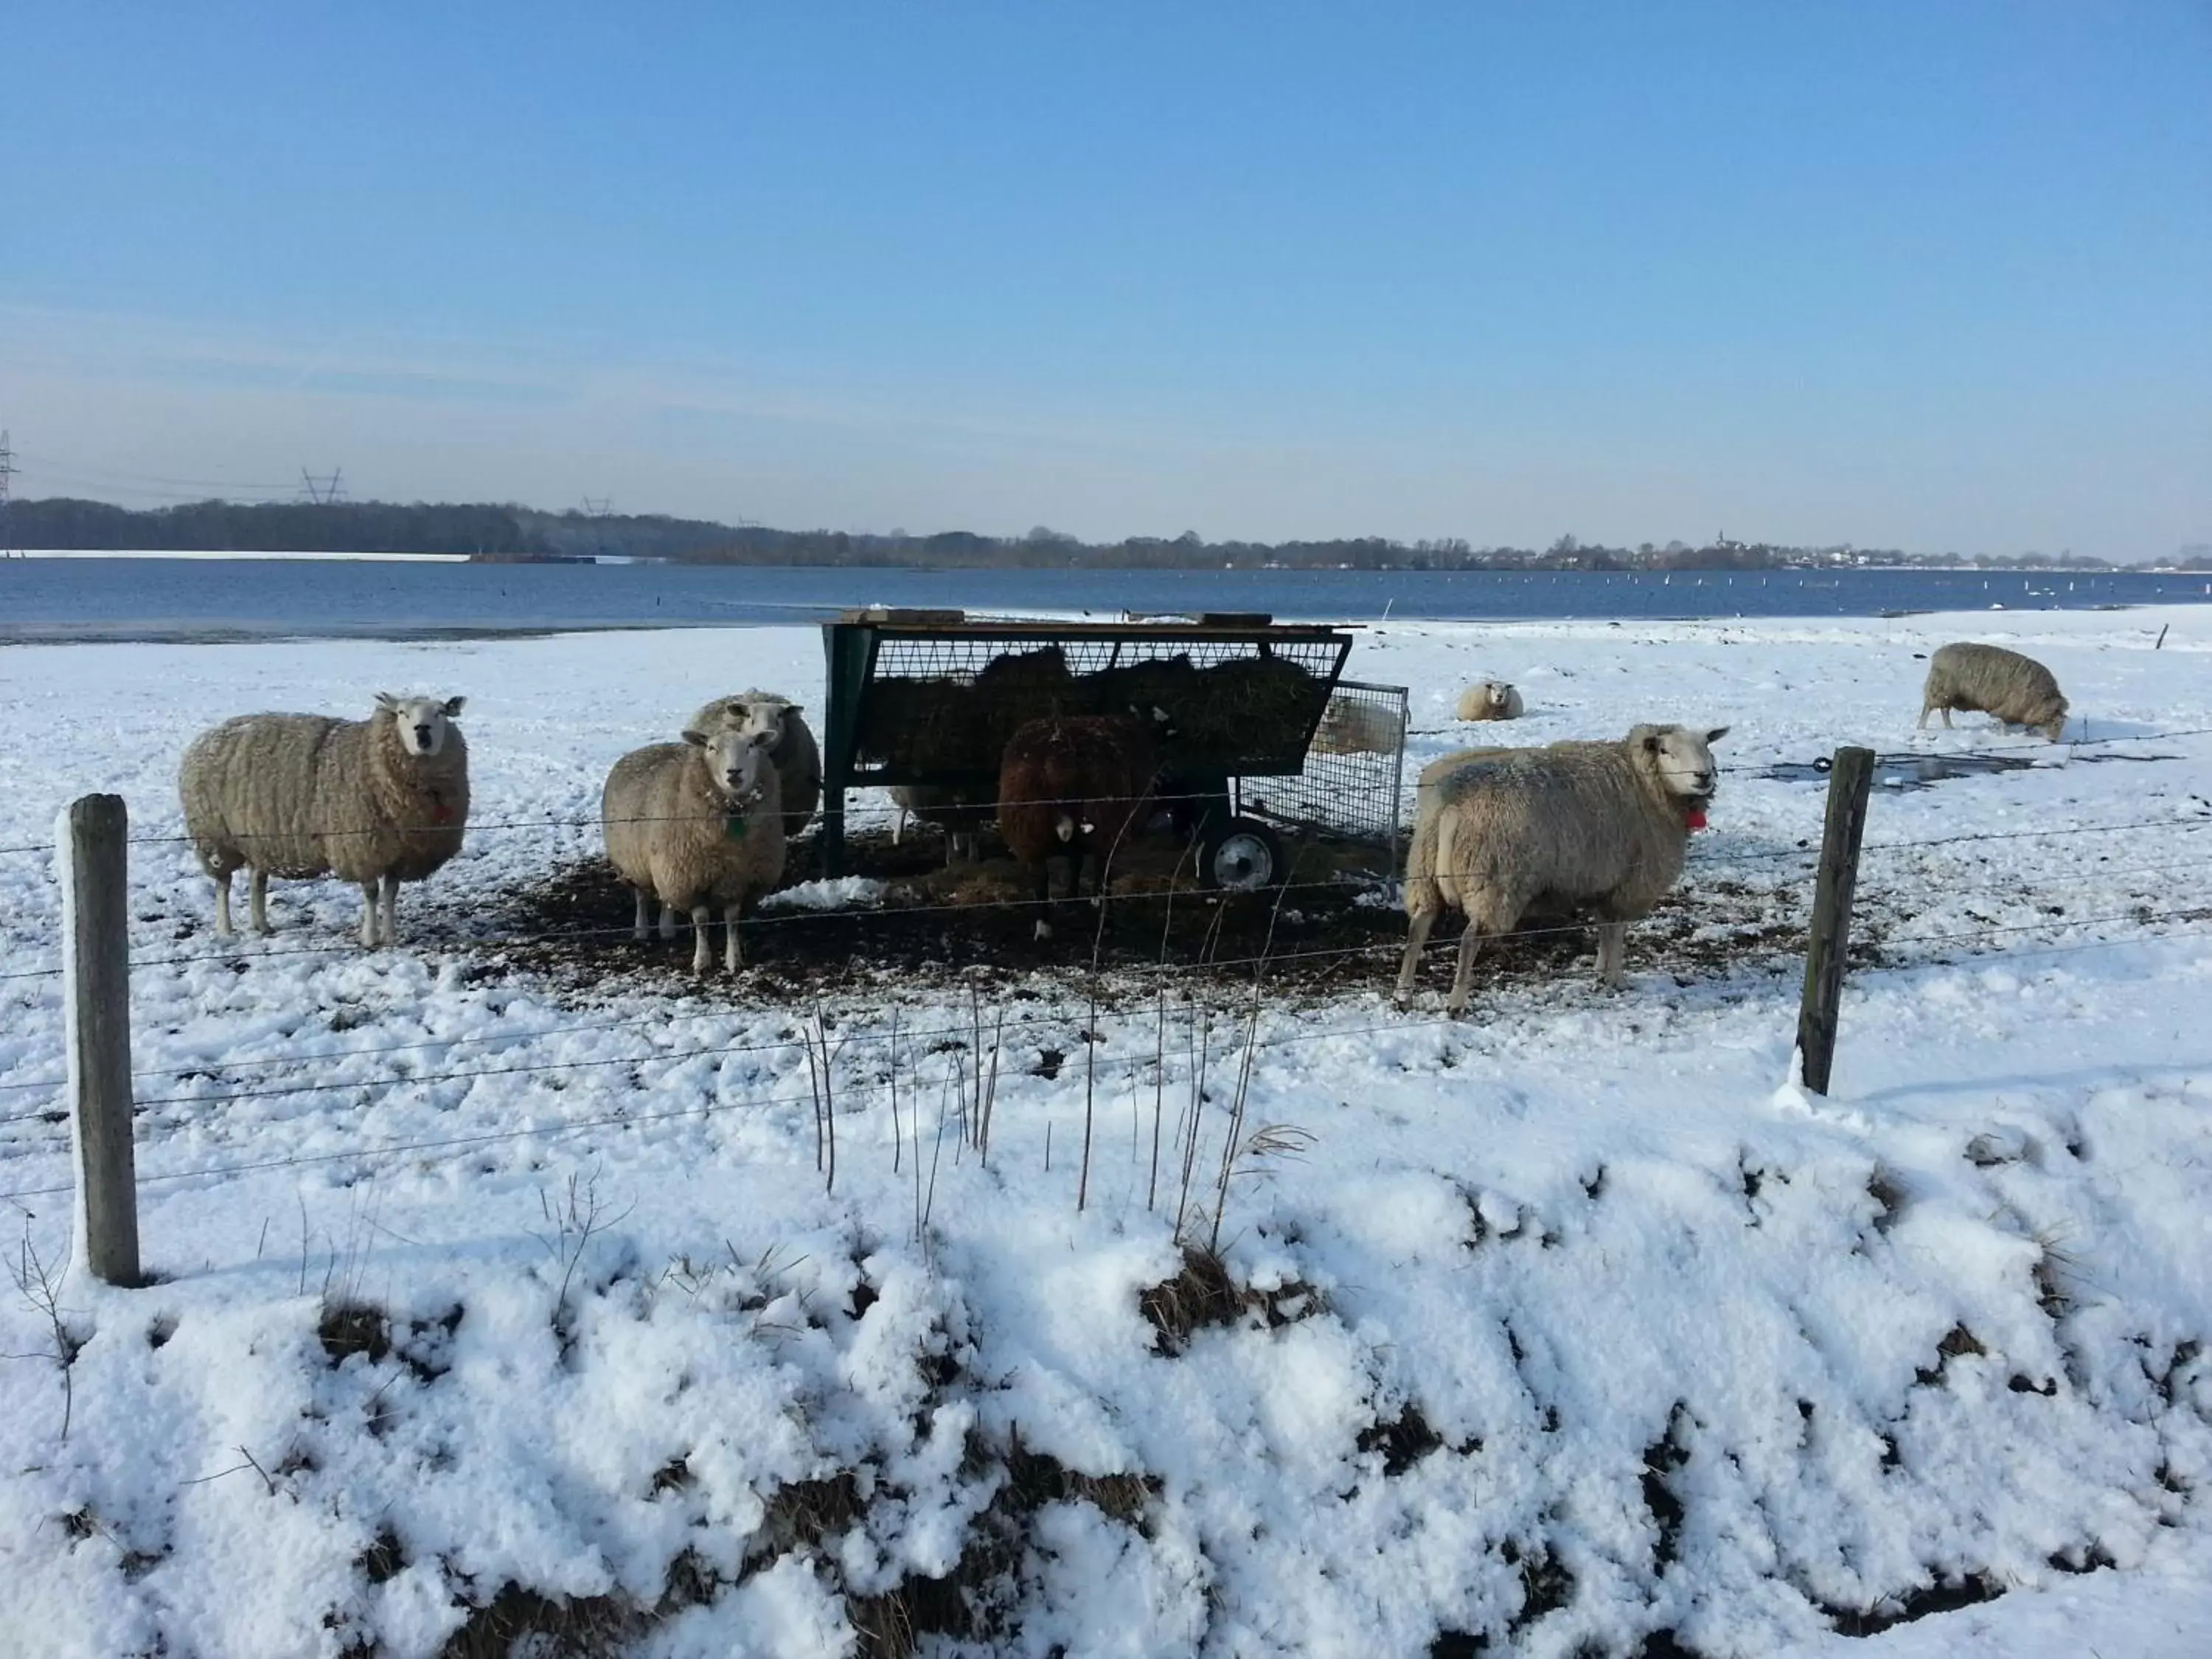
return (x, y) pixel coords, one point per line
(1926, 709)
(368, 914)
(733, 954)
(1044, 898)
(1463, 976)
(898, 826)
(223, 905)
(668, 922)
(641, 927)
(1947, 716)
(1417, 940)
(257, 899)
(390, 895)
(1612, 944)
(702, 918)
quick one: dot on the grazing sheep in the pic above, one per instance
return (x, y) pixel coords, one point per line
(1493, 700)
(1074, 787)
(961, 813)
(697, 824)
(1350, 726)
(2018, 690)
(1601, 824)
(375, 802)
(798, 760)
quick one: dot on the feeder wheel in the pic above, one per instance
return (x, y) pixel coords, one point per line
(1240, 856)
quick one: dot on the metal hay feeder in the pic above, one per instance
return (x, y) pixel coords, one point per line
(932, 696)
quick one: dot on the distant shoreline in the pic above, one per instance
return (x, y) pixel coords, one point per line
(213, 557)
(926, 567)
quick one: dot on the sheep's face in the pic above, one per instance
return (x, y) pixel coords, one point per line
(755, 717)
(1500, 696)
(737, 763)
(1682, 760)
(424, 723)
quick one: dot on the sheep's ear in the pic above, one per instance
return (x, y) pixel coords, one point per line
(1717, 734)
(695, 737)
(453, 708)
(386, 702)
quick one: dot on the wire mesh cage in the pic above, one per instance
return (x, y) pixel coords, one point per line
(1350, 783)
(933, 698)
(937, 707)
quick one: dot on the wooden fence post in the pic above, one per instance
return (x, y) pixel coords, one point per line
(1830, 935)
(96, 1024)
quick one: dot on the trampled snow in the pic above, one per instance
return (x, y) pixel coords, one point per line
(484, 1297)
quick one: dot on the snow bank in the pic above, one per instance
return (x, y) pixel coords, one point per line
(1560, 1328)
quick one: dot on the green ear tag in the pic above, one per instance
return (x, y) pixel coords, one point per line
(734, 826)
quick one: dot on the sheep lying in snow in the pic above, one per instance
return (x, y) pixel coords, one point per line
(697, 824)
(1351, 726)
(1601, 824)
(961, 813)
(2019, 690)
(1076, 787)
(375, 802)
(798, 760)
(1492, 700)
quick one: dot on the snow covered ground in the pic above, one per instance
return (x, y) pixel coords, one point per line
(489, 1305)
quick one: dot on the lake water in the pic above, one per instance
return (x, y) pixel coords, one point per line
(127, 599)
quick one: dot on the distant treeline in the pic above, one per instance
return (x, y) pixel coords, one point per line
(521, 533)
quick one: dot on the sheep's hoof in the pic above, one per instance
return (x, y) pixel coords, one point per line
(1043, 930)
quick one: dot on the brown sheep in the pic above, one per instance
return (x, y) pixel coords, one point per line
(1075, 787)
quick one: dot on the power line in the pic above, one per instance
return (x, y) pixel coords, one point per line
(118, 475)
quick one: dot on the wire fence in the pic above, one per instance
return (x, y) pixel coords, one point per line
(1184, 1061)
(1356, 715)
(173, 1107)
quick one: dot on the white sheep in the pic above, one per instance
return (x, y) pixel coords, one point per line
(697, 824)
(375, 802)
(1600, 824)
(1444, 765)
(798, 759)
(1491, 700)
(2018, 690)
(1352, 725)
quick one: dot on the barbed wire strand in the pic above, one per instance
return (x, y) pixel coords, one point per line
(705, 1109)
(1164, 800)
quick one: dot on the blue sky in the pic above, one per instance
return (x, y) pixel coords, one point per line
(1927, 275)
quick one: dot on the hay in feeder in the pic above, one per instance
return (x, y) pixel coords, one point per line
(962, 724)
(1245, 712)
